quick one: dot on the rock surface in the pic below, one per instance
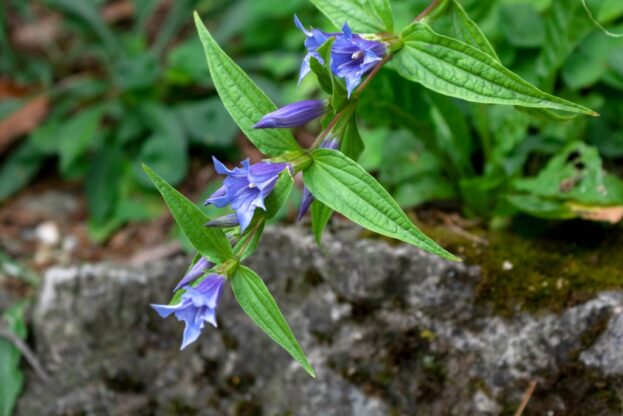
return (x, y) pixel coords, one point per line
(389, 329)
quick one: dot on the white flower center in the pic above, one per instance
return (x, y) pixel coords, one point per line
(357, 55)
(252, 185)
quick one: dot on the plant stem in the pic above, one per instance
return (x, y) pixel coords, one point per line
(331, 124)
(348, 109)
(428, 10)
(372, 74)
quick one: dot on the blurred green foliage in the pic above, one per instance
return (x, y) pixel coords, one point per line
(500, 161)
(138, 90)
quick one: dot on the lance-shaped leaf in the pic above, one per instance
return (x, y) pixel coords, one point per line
(320, 216)
(344, 186)
(454, 68)
(257, 302)
(363, 16)
(244, 100)
(467, 30)
(209, 242)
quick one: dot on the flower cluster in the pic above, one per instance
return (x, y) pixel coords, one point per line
(246, 188)
(352, 56)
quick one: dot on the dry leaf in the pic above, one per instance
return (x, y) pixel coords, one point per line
(23, 120)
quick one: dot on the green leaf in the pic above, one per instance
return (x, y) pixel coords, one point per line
(453, 68)
(363, 16)
(351, 144)
(10, 372)
(541, 207)
(383, 10)
(88, 14)
(344, 186)
(207, 122)
(244, 100)
(467, 30)
(210, 242)
(566, 24)
(102, 182)
(257, 302)
(522, 25)
(280, 194)
(575, 174)
(19, 168)
(323, 71)
(76, 136)
(320, 216)
(166, 150)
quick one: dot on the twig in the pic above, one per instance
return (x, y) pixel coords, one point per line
(526, 398)
(26, 352)
(372, 74)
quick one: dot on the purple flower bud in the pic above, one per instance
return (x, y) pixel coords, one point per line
(245, 188)
(353, 56)
(292, 115)
(315, 38)
(308, 198)
(226, 221)
(200, 267)
(196, 307)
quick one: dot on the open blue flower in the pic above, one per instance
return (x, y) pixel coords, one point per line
(308, 198)
(293, 115)
(245, 188)
(353, 56)
(197, 306)
(315, 38)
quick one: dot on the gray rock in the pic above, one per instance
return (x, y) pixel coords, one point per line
(389, 330)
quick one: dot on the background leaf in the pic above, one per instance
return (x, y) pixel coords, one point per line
(10, 372)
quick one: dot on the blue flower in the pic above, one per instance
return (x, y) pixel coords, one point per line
(308, 198)
(197, 306)
(315, 39)
(353, 56)
(293, 115)
(200, 267)
(245, 188)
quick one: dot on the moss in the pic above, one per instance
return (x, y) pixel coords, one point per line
(562, 266)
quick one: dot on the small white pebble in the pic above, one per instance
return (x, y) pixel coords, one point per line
(507, 265)
(48, 233)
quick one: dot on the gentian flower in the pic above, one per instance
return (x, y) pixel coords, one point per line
(197, 306)
(199, 268)
(315, 39)
(353, 56)
(293, 115)
(308, 198)
(245, 188)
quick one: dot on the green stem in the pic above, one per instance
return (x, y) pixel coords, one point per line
(350, 106)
